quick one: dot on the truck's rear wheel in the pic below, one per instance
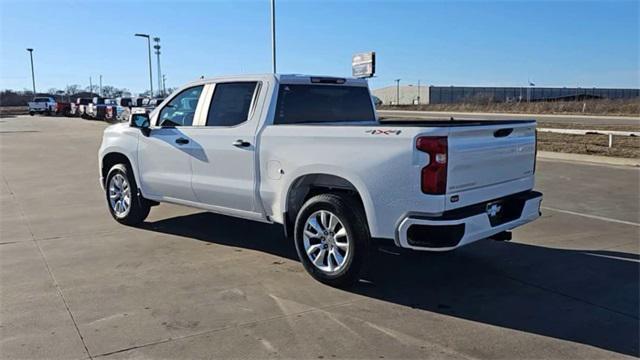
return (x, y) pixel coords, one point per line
(332, 239)
(125, 205)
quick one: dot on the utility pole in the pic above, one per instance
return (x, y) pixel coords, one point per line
(273, 34)
(418, 92)
(100, 91)
(164, 85)
(397, 92)
(157, 48)
(33, 76)
(150, 71)
(90, 85)
(530, 86)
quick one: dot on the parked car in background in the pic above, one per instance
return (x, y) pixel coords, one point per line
(147, 105)
(309, 153)
(63, 108)
(151, 104)
(78, 107)
(97, 108)
(122, 109)
(42, 105)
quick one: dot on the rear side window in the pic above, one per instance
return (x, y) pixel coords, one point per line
(298, 104)
(230, 103)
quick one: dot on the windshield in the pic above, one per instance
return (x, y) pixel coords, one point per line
(323, 104)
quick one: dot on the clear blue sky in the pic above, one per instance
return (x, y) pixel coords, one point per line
(577, 43)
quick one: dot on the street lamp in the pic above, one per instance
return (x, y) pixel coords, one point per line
(150, 71)
(397, 92)
(33, 76)
(164, 85)
(273, 34)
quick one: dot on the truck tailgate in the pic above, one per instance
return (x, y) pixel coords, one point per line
(483, 156)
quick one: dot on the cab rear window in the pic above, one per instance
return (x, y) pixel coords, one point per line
(300, 104)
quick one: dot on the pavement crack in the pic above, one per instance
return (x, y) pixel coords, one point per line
(228, 327)
(46, 264)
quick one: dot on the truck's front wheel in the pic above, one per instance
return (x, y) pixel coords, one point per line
(125, 205)
(332, 239)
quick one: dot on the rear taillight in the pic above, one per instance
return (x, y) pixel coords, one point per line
(434, 175)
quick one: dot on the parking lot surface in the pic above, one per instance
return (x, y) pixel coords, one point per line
(189, 284)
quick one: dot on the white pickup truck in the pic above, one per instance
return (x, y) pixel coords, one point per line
(309, 153)
(46, 105)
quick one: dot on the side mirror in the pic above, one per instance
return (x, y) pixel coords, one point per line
(141, 121)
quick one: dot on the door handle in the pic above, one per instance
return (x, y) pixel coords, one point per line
(241, 143)
(182, 141)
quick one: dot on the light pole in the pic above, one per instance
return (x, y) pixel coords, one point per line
(164, 85)
(157, 48)
(397, 92)
(529, 89)
(273, 34)
(150, 71)
(33, 76)
(100, 91)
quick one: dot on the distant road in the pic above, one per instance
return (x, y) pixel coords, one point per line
(580, 119)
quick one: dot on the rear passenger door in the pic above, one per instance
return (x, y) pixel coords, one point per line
(224, 176)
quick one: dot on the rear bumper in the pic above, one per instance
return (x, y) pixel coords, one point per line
(463, 226)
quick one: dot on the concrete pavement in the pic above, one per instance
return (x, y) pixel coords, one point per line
(74, 284)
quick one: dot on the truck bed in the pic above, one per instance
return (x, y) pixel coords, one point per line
(450, 123)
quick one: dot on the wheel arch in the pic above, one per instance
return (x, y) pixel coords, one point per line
(112, 158)
(305, 186)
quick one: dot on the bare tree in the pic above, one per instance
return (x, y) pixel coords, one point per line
(93, 89)
(72, 89)
(122, 92)
(108, 91)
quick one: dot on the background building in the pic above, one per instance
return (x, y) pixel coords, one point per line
(408, 94)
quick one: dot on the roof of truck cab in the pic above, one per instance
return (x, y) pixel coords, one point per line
(282, 78)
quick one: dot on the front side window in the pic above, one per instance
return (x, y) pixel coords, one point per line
(230, 103)
(181, 109)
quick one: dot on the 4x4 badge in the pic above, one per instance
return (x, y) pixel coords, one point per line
(384, 132)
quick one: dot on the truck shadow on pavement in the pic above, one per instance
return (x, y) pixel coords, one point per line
(583, 296)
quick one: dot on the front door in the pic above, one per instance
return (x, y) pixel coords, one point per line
(165, 155)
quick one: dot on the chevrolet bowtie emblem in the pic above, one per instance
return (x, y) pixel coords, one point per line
(493, 209)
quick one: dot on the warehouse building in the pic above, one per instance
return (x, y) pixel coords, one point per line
(412, 94)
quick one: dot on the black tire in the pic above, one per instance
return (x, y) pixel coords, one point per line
(31, 113)
(351, 215)
(139, 207)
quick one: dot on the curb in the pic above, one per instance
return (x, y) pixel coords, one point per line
(608, 160)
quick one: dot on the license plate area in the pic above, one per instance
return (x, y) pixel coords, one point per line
(503, 211)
